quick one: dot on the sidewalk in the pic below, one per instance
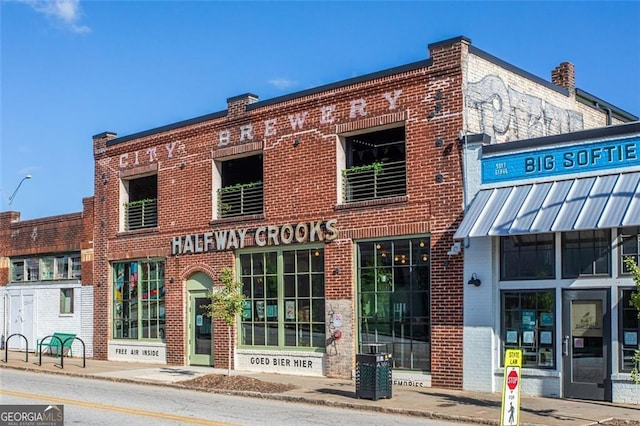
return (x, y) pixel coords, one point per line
(434, 403)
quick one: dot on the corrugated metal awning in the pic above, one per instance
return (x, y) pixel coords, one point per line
(592, 202)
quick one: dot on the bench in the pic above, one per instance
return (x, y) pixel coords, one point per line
(52, 342)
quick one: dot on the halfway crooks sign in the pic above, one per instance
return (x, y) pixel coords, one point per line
(263, 236)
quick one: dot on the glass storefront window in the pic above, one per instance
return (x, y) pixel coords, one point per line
(138, 300)
(284, 293)
(393, 283)
(629, 331)
(528, 323)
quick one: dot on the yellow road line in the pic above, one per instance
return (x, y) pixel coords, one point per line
(145, 413)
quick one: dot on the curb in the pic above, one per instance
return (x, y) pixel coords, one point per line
(280, 397)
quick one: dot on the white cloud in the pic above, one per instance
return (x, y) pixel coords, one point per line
(62, 12)
(282, 83)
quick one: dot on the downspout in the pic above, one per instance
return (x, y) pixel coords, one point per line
(4, 319)
(608, 110)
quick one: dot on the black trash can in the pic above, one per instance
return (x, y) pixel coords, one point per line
(373, 376)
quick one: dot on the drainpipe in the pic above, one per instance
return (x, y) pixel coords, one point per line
(4, 320)
(608, 110)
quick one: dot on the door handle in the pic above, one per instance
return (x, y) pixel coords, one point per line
(565, 346)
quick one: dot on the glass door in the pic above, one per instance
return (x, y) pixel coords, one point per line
(200, 330)
(586, 344)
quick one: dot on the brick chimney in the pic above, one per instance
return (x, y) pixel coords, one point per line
(564, 75)
(237, 104)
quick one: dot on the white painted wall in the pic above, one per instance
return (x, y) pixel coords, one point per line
(284, 362)
(47, 317)
(479, 318)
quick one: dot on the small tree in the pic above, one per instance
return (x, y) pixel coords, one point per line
(227, 302)
(635, 302)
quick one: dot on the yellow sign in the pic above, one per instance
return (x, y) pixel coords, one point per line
(513, 358)
(510, 412)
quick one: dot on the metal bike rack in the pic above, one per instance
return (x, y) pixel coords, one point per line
(6, 347)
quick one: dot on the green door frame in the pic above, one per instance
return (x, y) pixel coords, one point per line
(199, 326)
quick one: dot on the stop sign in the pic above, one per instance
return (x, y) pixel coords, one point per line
(512, 379)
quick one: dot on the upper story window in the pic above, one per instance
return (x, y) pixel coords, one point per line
(240, 191)
(46, 268)
(586, 253)
(527, 257)
(630, 246)
(375, 165)
(140, 202)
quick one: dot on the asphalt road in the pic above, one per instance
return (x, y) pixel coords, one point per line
(100, 402)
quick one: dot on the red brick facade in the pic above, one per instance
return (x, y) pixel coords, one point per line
(300, 138)
(55, 234)
(300, 185)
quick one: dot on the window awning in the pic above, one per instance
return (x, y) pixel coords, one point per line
(583, 203)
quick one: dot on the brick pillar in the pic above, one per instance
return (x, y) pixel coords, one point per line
(444, 117)
(6, 218)
(86, 243)
(105, 179)
(339, 303)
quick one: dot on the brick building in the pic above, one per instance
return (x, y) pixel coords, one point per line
(335, 206)
(46, 277)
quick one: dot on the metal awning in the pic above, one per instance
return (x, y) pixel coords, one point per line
(594, 202)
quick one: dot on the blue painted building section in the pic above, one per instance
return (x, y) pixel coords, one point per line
(578, 158)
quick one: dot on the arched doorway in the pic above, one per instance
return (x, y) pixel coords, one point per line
(199, 326)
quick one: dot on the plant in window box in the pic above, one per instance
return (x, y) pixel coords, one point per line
(361, 182)
(140, 202)
(635, 302)
(376, 167)
(234, 199)
(239, 186)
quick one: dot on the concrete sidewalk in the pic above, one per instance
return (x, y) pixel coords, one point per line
(435, 403)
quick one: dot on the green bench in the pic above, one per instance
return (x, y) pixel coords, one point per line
(53, 344)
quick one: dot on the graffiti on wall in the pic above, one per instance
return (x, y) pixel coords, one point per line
(506, 114)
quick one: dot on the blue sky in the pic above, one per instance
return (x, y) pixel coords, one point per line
(72, 69)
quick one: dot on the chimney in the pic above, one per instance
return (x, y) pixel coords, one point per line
(564, 75)
(237, 104)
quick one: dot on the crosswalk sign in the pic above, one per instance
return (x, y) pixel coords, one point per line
(510, 413)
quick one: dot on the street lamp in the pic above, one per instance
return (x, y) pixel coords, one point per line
(10, 199)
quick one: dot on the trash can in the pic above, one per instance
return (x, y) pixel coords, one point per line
(373, 376)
